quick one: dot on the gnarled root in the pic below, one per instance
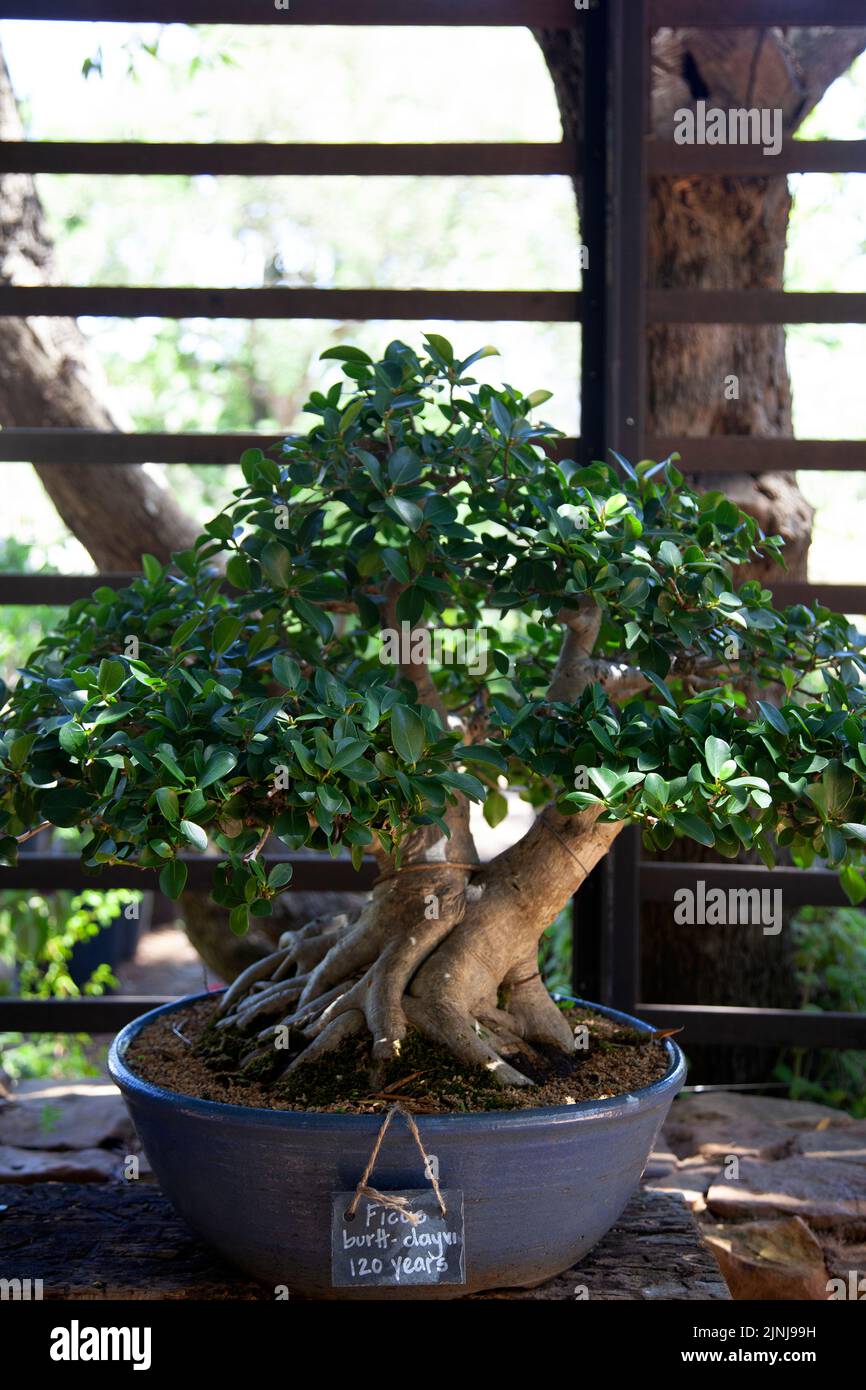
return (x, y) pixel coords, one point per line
(459, 977)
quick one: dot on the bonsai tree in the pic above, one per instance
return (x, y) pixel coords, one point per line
(310, 675)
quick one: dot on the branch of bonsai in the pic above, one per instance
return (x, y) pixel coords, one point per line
(415, 671)
(28, 835)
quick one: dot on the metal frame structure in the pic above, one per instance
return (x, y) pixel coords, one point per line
(614, 306)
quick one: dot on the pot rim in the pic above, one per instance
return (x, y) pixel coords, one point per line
(627, 1103)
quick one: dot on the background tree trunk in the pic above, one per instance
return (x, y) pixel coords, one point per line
(48, 381)
(715, 233)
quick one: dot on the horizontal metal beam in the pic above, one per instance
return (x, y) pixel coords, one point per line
(106, 1014)
(31, 589)
(741, 453)
(315, 873)
(56, 588)
(754, 307)
(758, 14)
(555, 14)
(121, 301)
(842, 598)
(795, 157)
(369, 161)
(800, 887)
(723, 453)
(707, 1024)
(111, 447)
(701, 1024)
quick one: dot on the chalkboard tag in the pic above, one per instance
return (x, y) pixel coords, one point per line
(381, 1247)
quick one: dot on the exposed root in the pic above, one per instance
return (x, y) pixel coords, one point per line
(457, 1031)
(329, 1039)
(465, 976)
(533, 1011)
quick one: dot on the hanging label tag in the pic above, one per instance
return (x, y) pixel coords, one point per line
(380, 1247)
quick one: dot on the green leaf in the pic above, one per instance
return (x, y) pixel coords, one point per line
(8, 851)
(185, 629)
(286, 671)
(110, 676)
(74, 740)
(495, 808)
(225, 632)
(166, 800)
(166, 756)
(853, 884)
(407, 733)
(478, 753)
(404, 467)
(441, 347)
(774, 717)
(396, 564)
(694, 827)
(194, 834)
(277, 564)
(717, 753)
(280, 875)
(345, 354)
(152, 568)
(172, 879)
(239, 572)
(64, 806)
(313, 617)
(407, 511)
(239, 920)
(670, 554)
(466, 783)
(220, 762)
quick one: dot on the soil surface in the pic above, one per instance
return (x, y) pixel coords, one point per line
(181, 1052)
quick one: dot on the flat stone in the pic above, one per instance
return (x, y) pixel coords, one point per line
(827, 1195)
(659, 1163)
(848, 1263)
(66, 1116)
(691, 1178)
(76, 1165)
(715, 1123)
(770, 1260)
(847, 1145)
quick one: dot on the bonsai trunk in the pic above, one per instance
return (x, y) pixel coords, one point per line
(440, 945)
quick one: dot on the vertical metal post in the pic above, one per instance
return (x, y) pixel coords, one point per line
(594, 234)
(621, 943)
(626, 362)
(626, 406)
(588, 908)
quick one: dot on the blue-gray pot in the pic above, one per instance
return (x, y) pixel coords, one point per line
(540, 1187)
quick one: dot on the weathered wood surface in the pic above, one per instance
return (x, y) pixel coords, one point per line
(119, 1241)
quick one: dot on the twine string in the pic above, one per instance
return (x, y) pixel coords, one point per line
(565, 845)
(387, 1199)
(428, 865)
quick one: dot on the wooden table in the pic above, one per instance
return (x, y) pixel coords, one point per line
(124, 1241)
